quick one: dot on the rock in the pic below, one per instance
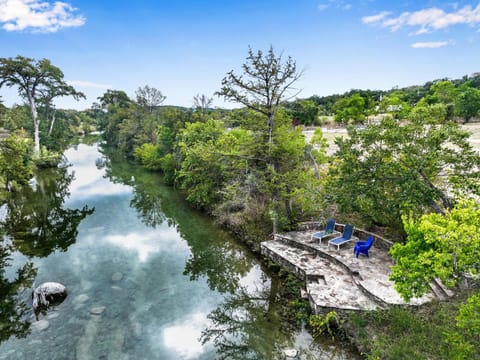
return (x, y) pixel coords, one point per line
(117, 276)
(46, 294)
(290, 353)
(97, 310)
(80, 299)
(40, 325)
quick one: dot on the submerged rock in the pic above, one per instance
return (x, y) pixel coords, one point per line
(117, 276)
(40, 325)
(97, 310)
(49, 293)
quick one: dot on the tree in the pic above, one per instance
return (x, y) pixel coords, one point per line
(202, 103)
(35, 80)
(265, 82)
(304, 112)
(438, 246)
(15, 161)
(389, 168)
(149, 97)
(117, 98)
(467, 102)
(351, 109)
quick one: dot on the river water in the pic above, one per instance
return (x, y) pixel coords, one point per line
(147, 277)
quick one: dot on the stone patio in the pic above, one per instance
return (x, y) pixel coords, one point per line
(337, 279)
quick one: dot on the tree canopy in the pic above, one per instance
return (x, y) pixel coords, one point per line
(266, 81)
(36, 81)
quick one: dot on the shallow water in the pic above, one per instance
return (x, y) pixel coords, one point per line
(147, 277)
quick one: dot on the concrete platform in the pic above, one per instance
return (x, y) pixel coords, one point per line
(337, 279)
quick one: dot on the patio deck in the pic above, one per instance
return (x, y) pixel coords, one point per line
(337, 279)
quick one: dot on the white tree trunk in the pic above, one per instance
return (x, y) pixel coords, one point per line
(36, 124)
(52, 122)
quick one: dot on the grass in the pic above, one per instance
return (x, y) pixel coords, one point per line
(407, 333)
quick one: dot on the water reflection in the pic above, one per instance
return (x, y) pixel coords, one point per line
(36, 221)
(247, 324)
(148, 278)
(14, 311)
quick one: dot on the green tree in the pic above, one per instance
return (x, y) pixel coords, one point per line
(36, 81)
(389, 168)
(149, 97)
(395, 105)
(15, 161)
(265, 82)
(304, 112)
(444, 246)
(351, 109)
(467, 102)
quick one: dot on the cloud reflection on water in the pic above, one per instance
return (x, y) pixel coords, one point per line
(183, 336)
(89, 181)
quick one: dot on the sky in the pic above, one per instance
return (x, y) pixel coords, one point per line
(185, 47)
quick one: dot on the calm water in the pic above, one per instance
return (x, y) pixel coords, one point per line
(147, 277)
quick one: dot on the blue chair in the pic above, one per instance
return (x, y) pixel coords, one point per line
(363, 246)
(346, 237)
(329, 230)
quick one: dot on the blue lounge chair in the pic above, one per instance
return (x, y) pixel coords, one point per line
(346, 237)
(329, 230)
(363, 246)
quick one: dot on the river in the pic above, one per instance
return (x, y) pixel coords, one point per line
(147, 277)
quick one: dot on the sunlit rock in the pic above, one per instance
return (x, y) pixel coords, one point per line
(49, 293)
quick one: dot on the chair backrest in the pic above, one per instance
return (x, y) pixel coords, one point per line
(347, 231)
(369, 241)
(330, 227)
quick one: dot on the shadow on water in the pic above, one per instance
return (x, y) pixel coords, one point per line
(35, 223)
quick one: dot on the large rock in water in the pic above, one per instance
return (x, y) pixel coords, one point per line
(49, 293)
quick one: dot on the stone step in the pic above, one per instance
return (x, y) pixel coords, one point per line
(328, 284)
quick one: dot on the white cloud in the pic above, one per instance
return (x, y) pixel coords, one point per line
(429, 45)
(426, 20)
(37, 15)
(338, 4)
(375, 18)
(89, 84)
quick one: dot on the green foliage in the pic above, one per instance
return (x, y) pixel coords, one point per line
(304, 112)
(200, 172)
(16, 166)
(425, 332)
(147, 155)
(39, 82)
(467, 102)
(350, 110)
(438, 246)
(329, 324)
(390, 168)
(464, 339)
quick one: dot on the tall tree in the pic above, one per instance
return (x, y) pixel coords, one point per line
(149, 97)
(35, 80)
(202, 103)
(265, 82)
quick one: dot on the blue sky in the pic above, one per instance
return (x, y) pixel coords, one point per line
(184, 48)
